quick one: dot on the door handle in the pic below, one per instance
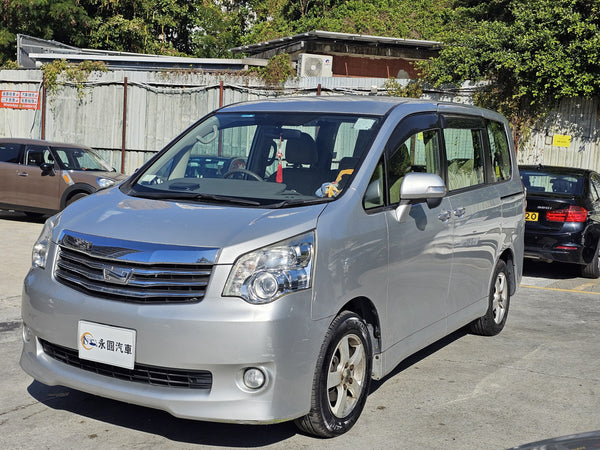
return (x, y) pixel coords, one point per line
(459, 212)
(22, 174)
(444, 216)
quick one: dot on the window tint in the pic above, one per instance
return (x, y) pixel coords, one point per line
(501, 166)
(595, 187)
(418, 153)
(9, 153)
(36, 155)
(414, 146)
(540, 181)
(464, 151)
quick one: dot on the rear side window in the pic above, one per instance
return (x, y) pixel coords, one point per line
(500, 155)
(9, 153)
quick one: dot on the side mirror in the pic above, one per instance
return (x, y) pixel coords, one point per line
(418, 187)
(47, 168)
(422, 186)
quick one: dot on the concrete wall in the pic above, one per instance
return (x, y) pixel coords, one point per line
(160, 105)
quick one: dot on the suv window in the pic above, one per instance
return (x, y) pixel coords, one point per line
(413, 147)
(36, 155)
(9, 153)
(500, 163)
(464, 152)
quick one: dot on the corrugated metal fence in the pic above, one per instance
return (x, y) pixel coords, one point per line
(159, 105)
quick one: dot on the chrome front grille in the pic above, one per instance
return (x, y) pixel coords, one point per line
(125, 271)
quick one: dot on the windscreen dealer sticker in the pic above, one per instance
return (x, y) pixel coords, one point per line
(106, 344)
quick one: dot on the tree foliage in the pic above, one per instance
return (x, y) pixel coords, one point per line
(531, 53)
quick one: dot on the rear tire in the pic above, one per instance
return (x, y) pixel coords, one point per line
(494, 319)
(342, 378)
(592, 270)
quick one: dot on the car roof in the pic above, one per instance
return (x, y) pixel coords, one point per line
(354, 104)
(40, 142)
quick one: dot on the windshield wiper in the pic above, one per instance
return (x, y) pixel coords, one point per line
(297, 202)
(195, 196)
(227, 199)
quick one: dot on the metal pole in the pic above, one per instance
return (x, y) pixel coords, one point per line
(44, 94)
(220, 106)
(124, 125)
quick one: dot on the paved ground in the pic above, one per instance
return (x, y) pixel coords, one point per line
(539, 378)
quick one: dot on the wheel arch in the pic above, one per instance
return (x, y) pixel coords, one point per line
(509, 258)
(77, 188)
(365, 309)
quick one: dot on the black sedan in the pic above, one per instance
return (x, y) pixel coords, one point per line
(562, 221)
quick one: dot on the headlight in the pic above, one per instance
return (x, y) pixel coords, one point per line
(39, 253)
(103, 183)
(266, 274)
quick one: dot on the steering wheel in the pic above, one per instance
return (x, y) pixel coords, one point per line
(246, 171)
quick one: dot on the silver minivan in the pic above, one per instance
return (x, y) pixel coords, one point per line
(279, 255)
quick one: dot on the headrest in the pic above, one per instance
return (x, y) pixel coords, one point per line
(301, 150)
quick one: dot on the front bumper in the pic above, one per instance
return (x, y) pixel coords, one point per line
(224, 336)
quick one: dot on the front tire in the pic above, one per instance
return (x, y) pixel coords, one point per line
(494, 319)
(76, 197)
(342, 378)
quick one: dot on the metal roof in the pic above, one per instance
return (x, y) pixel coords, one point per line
(341, 37)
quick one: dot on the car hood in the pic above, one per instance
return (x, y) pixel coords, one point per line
(232, 229)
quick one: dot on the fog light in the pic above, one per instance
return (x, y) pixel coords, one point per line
(254, 378)
(27, 334)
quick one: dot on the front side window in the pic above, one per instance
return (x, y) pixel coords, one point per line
(261, 159)
(80, 159)
(36, 155)
(418, 153)
(414, 146)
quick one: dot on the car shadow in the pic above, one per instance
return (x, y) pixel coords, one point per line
(554, 270)
(158, 422)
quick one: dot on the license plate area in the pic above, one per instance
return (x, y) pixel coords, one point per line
(106, 344)
(531, 216)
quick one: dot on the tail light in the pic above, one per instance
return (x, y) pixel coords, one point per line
(570, 214)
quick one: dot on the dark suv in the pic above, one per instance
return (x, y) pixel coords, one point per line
(43, 177)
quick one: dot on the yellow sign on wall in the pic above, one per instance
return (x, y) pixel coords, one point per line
(561, 140)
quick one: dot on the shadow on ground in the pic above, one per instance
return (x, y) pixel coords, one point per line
(157, 422)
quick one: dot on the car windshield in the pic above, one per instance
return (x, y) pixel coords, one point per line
(545, 182)
(80, 159)
(261, 159)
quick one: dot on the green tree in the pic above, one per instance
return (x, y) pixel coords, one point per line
(66, 21)
(532, 54)
(395, 18)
